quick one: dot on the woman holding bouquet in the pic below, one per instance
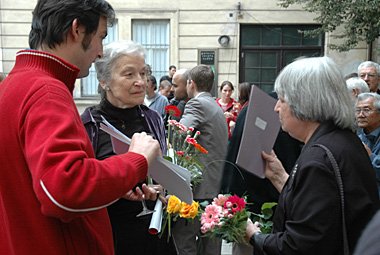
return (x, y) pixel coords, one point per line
(122, 82)
(315, 108)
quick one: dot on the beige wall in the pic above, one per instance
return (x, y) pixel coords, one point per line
(195, 24)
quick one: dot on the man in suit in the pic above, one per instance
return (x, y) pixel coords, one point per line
(204, 115)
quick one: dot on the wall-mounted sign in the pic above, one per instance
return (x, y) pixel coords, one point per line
(210, 57)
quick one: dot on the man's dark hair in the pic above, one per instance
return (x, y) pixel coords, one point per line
(172, 66)
(203, 76)
(52, 19)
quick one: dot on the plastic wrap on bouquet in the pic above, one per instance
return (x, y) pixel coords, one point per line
(156, 220)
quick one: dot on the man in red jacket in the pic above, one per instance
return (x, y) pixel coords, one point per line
(53, 192)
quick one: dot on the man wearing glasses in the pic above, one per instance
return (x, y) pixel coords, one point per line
(367, 113)
(370, 72)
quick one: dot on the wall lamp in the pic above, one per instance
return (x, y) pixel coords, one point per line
(224, 40)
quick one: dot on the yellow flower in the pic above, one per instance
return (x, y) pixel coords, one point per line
(189, 211)
(174, 205)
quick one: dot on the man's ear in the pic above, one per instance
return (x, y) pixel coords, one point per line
(76, 31)
(355, 92)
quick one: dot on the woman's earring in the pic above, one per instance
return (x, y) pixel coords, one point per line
(107, 88)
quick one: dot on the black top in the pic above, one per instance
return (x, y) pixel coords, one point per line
(308, 215)
(130, 232)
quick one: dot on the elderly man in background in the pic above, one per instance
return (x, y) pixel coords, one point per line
(367, 112)
(370, 72)
(356, 86)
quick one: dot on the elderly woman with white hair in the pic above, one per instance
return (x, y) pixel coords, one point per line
(121, 73)
(330, 195)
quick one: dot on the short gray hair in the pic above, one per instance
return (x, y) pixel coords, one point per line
(315, 90)
(357, 83)
(369, 64)
(375, 96)
(112, 52)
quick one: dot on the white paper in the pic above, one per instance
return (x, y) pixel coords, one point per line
(172, 177)
(156, 220)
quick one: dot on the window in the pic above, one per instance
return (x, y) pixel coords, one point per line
(89, 85)
(266, 49)
(153, 35)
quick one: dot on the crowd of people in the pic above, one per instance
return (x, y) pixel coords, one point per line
(63, 190)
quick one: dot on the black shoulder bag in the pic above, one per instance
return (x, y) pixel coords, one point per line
(338, 178)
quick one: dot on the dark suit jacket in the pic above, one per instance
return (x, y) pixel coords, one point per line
(204, 114)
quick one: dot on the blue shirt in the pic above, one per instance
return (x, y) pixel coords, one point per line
(372, 140)
(158, 103)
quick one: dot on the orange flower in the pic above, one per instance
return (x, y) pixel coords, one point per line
(189, 211)
(200, 148)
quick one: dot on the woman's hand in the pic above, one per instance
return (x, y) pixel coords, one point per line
(274, 170)
(149, 192)
(252, 228)
(228, 115)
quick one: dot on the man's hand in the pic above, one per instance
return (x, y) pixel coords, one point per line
(145, 145)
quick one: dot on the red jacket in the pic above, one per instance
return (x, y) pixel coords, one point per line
(53, 193)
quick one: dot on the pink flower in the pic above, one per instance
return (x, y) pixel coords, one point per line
(172, 122)
(220, 200)
(211, 215)
(191, 140)
(182, 128)
(191, 129)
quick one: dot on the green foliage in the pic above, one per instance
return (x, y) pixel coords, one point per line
(265, 217)
(233, 230)
(359, 19)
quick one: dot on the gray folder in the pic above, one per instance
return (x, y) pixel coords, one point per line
(260, 132)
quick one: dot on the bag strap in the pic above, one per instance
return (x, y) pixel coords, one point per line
(341, 193)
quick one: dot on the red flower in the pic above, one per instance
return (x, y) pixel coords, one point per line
(235, 203)
(173, 110)
(180, 153)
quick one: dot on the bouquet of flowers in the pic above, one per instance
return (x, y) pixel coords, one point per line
(176, 208)
(184, 149)
(226, 217)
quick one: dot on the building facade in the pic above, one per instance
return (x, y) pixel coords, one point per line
(246, 40)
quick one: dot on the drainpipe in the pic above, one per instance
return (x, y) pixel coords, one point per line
(369, 51)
